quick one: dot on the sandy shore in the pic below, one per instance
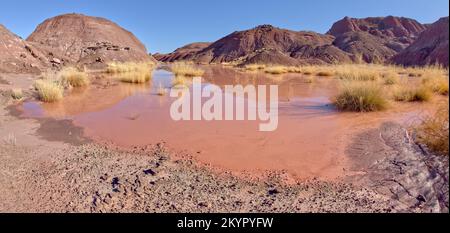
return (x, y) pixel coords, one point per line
(47, 165)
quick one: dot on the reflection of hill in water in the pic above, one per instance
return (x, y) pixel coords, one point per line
(93, 99)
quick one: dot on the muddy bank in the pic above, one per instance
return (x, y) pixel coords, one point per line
(91, 178)
(38, 175)
(392, 164)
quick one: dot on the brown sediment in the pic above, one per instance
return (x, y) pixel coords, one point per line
(309, 143)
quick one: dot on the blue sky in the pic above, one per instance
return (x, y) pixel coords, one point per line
(164, 25)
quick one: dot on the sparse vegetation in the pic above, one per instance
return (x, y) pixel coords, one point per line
(407, 93)
(391, 77)
(184, 69)
(49, 90)
(137, 77)
(131, 72)
(360, 97)
(325, 73)
(74, 77)
(293, 69)
(434, 130)
(437, 84)
(17, 93)
(276, 70)
(126, 67)
(357, 73)
(254, 67)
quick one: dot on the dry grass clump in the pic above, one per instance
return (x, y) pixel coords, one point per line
(125, 67)
(131, 72)
(390, 77)
(184, 69)
(436, 84)
(49, 90)
(17, 93)
(254, 67)
(361, 97)
(137, 77)
(426, 71)
(74, 77)
(434, 130)
(308, 70)
(276, 70)
(325, 73)
(357, 73)
(293, 69)
(407, 93)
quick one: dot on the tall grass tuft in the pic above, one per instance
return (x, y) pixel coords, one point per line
(254, 67)
(136, 77)
(408, 93)
(437, 84)
(74, 77)
(184, 69)
(434, 130)
(390, 77)
(125, 67)
(357, 73)
(276, 70)
(49, 90)
(360, 97)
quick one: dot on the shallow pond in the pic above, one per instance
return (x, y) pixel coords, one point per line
(309, 142)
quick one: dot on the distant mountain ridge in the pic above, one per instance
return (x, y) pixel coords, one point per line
(76, 39)
(371, 40)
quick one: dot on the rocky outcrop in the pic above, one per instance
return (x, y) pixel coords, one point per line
(268, 44)
(375, 39)
(86, 40)
(17, 56)
(430, 48)
(395, 166)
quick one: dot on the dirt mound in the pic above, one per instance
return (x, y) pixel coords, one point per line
(268, 44)
(16, 56)
(375, 39)
(430, 48)
(86, 40)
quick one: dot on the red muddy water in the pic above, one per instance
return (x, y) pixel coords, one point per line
(309, 142)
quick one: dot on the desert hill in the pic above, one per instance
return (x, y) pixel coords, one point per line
(269, 44)
(375, 39)
(86, 40)
(430, 48)
(16, 56)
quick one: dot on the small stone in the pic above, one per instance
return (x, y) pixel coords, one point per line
(149, 172)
